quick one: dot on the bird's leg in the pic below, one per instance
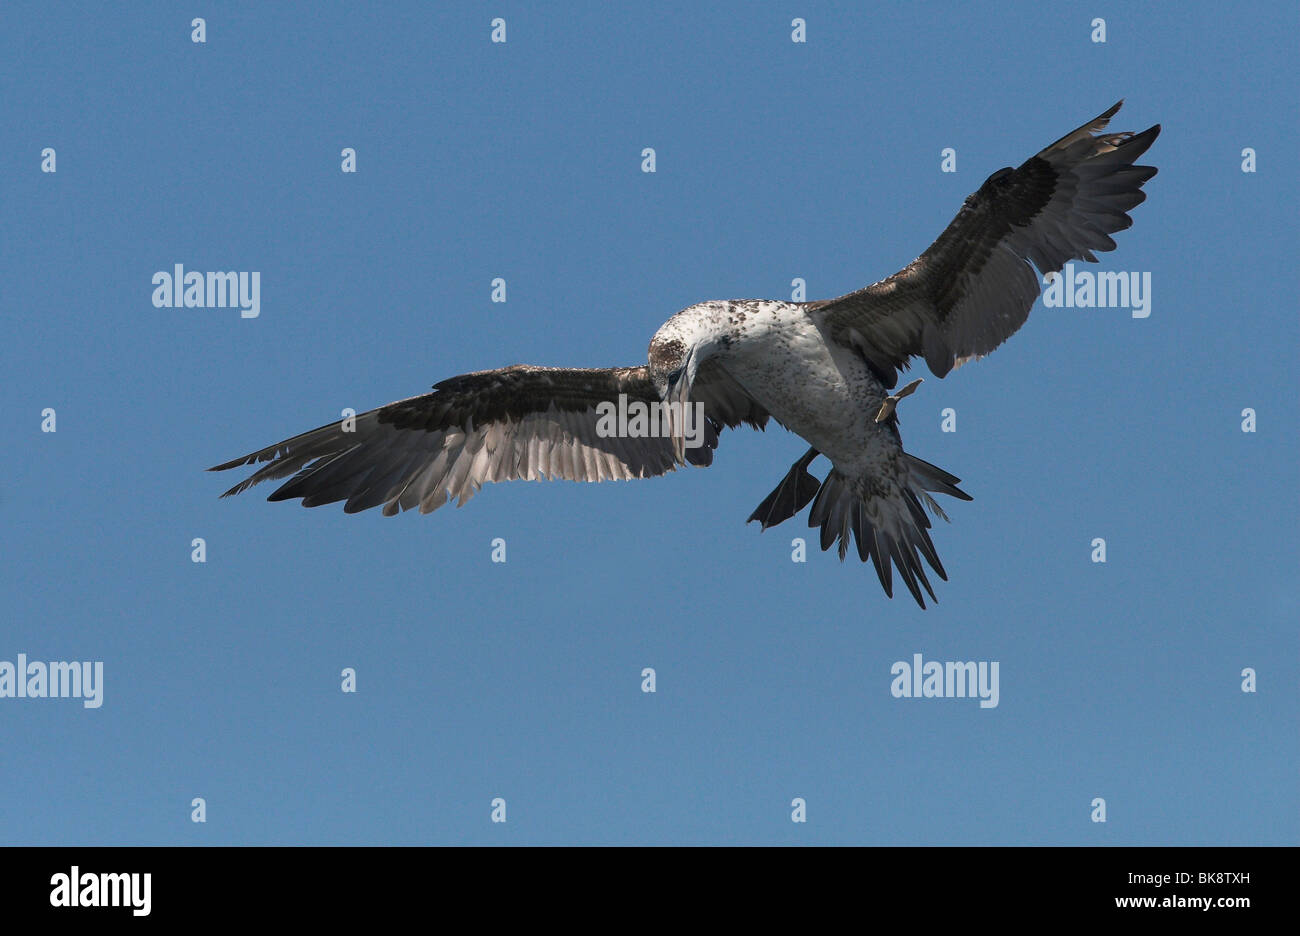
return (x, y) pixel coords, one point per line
(794, 492)
(891, 402)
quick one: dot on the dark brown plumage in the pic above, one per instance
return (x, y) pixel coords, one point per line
(973, 287)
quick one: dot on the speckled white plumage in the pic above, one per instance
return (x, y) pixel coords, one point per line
(816, 388)
(824, 391)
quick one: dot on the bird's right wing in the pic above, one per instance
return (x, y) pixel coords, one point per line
(516, 423)
(973, 287)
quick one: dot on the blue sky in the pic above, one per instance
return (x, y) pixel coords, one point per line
(521, 680)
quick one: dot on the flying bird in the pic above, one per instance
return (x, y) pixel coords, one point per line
(825, 370)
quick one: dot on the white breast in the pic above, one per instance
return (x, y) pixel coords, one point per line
(819, 389)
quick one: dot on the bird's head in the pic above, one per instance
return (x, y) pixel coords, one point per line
(676, 352)
(669, 360)
(673, 365)
(682, 344)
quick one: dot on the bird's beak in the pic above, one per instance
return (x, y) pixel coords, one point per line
(678, 399)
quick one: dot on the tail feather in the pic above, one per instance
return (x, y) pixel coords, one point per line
(933, 478)
(892, 530)
(905, 558)
(830, 511)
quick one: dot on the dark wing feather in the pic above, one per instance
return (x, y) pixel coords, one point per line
(973, 288)
(517, 423)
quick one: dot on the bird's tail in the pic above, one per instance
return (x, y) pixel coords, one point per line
(890, 527)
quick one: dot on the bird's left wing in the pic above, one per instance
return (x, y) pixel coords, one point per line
(516, 423)
(973, 287)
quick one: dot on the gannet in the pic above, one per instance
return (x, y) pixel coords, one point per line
(825, 370)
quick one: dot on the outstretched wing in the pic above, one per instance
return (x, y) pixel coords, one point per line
(517, 423)
(973, 288)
